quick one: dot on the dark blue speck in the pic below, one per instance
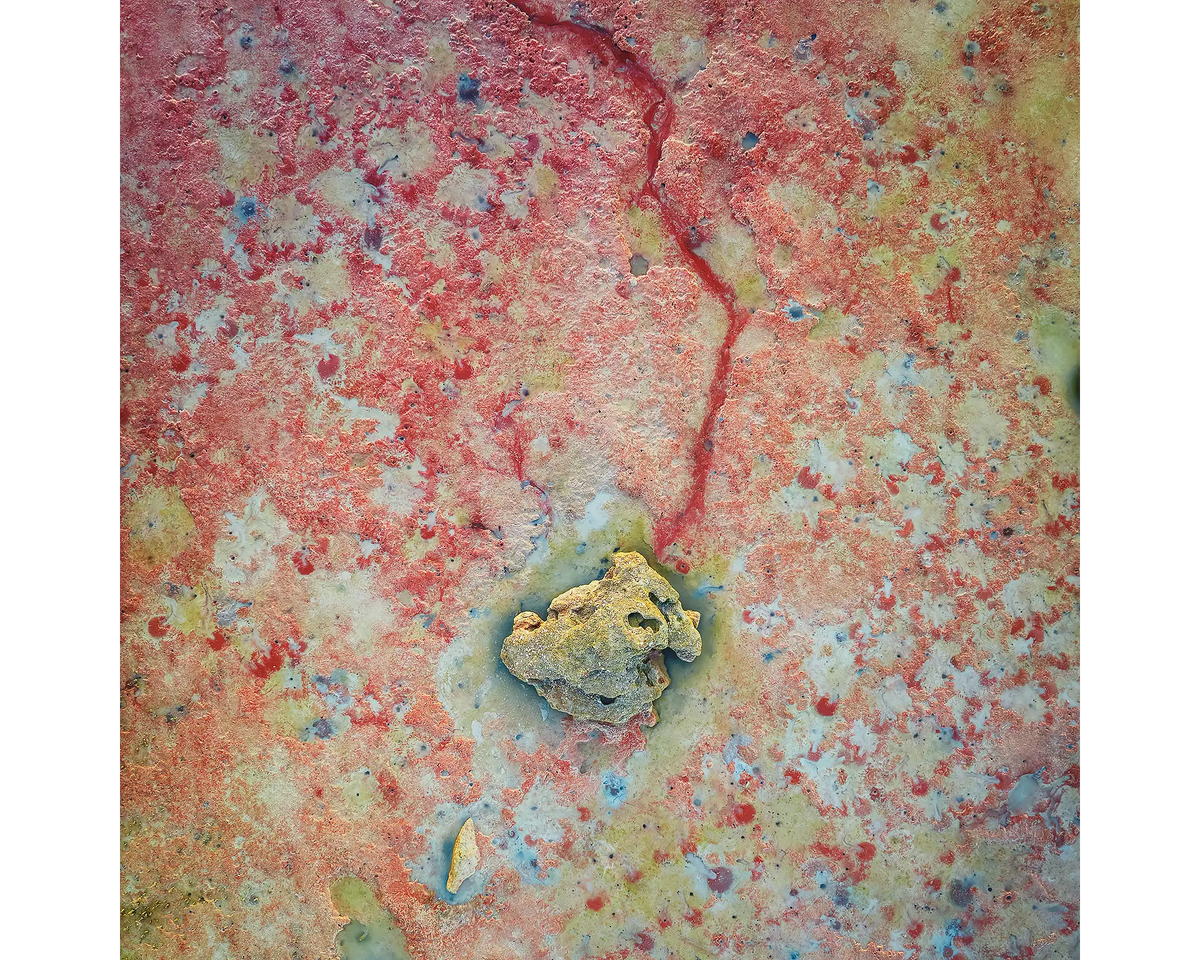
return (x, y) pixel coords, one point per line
(468, 89)
(246, 209)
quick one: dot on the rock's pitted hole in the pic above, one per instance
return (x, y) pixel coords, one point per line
(598, 655)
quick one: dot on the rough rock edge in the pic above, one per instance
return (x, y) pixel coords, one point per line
(598, 655)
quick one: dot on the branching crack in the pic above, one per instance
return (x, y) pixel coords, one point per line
(658, 118)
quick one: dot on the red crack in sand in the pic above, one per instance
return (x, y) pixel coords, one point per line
(658, 118)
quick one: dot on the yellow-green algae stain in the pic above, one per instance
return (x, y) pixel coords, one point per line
(832, 324)
(371, 934)
(155, 920)
(645, 233)
(655, 878)
(160, 525)
(1056, 347)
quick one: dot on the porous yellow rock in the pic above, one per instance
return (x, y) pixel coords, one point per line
(598, 654)
(464, 860)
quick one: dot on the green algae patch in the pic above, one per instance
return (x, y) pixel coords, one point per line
(832, 324)
(160, 526)
(371, 934)
(1056, 350)
(645, 233)
(156, 920)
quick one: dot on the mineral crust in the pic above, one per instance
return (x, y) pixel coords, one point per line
(598, 655)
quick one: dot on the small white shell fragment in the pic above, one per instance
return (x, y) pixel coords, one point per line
(464, 861)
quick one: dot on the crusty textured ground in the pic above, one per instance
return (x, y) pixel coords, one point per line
(427, 308)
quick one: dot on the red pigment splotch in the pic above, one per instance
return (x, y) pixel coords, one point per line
(721, 879)
(262, 665)
(807, 479)
(329, 366)
(743, 813)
